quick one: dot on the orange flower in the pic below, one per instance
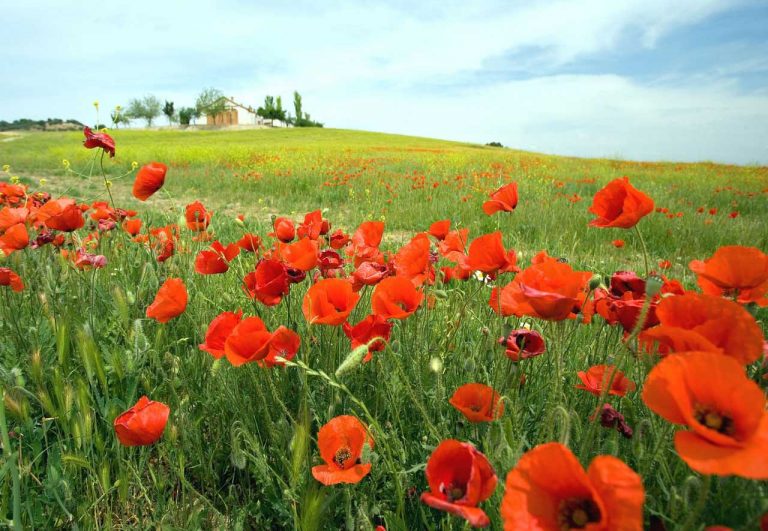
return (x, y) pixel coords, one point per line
(477, 402)
(313, 226)
(170, 301)
(11, 216)
(460, 478)
(439, 229)
(248, 341)
(149, 179)
(142, 424)
(218, 332)
(487, 254)
(284, 230)
(549, 489)
(368, 274)
(413, 262)
(197, 217)
(735, 271)
(365, 242)
(216, 260)
(620, 205)
(395, 298)
(301, 255)
(284, 343)
(61, 214)
(704, 322)
(502, 200)
(598, 377)
(618, 243)
(14, 239)
(132, 226)
(549, 290)
(249, 242)
(369, 328)
(10, 279)
(724, 410)
(329, 302)
(341, 443)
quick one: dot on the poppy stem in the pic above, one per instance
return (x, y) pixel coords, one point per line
(13, 469)
(691, 522)
(107, 184)
(645, 250)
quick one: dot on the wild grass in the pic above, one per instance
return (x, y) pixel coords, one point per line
(77, 349)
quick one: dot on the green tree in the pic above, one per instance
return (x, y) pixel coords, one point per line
(210, 101)
(297, 106)
(186, 115)
(118, 116)
(147, 108)
(168, 111)
(272, 109)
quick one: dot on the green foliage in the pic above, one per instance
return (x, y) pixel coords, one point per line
(187, 114)
(272, 109)
(210, 102)
(147, 108)
(301, 119)
(168, 111)
(26, 124)
(119, 117)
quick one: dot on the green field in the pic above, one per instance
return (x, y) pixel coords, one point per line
(77, 349)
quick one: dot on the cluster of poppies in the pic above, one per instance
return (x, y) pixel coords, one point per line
(704, 340)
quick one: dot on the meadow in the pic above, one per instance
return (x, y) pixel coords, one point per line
(241, 440)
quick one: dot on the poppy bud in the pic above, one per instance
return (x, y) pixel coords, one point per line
(595, 282)
(653, 285)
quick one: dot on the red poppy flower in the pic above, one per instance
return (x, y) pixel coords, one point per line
(197, 217)
(341, 443)
(14, 239)
(454, 245)
(724, 410)
(312, 226)
(413, 262)
(61, 214)
(366, 241)
(132, 226)
(248, 341)
(339, 239)
(143, 424)
(704, 322)
(502, 200)
(487, 254)
(163, 241)
(618, 243)
(460, 478)
(597, 377)
(99, 140)
(269, 283)
(368, 274)
(478, 402)
(549, 290)
(10, 279)
(736, 271)
(523, 343)
(440, 229)
(170, 301)
(218, 332)
(301, 255)
(362, 333)
(549, 489)
(665, 264)
(11, 216)
(87, 261)
(329, 302)
(395, 298)
(620, 205)
(216, 260)
(284, 230)
(331, 264)
(284, 344)
(149, 179)
(249, 242)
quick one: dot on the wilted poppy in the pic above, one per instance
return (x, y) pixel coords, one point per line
(395, 298)
(600, 377)
(440, 229)
(197, 217)
(341, 443)
(502, 200)
(269, 283)
(523, 343)
(99, 140)
(362, 333)
(705, 322)
(329, 302)
(368, 274)
(170, 301)
(248, 341)
(549, 290)
(620, 205)
(149, 179)
(724, 410)
(218, 332)
(330, 263)
(10, 279)
(487, 254)
(460, 478)
(338, 239)
(741, 272)
(285, 231)
(215, 260)
(549, 489)
(477, 402)
(87, 261)
(143, 424)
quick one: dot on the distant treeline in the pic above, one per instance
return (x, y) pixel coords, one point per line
(50, 123)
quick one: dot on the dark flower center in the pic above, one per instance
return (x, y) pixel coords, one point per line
(714, 420)
(576, 513)
(341, 456)
(453, 492)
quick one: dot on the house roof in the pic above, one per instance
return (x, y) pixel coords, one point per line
(232, 102)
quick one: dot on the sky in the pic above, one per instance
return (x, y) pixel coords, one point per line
(679, 80)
